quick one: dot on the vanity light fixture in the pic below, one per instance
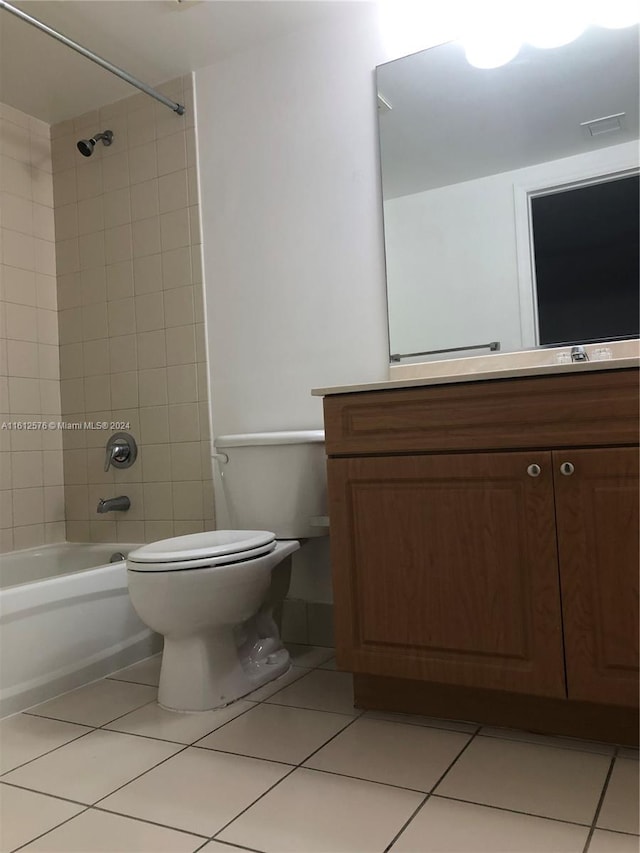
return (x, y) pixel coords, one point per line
(552, 24)
(491, 49)
(541, 23)
(493, 31)
(617, 14)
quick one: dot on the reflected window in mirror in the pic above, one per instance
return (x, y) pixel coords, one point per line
(586, 253)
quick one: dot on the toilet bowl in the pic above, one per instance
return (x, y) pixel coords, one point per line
(212, 595)
(207, 594)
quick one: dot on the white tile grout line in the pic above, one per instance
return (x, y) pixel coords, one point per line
(91, 808)
(286, 776)
(611, 747)
(321, 666)
(426, 797)
(102, 727)
(42, 834)
(600, 802)
(96, 806)
(48, 752)
(230, 846)
(511, 811)
(359, 715)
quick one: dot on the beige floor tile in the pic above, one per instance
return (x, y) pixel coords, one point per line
(320, 690)
(330, 664)
(92, 766)
(309, 656)
(277, 684)
(549, 740)
(197, 791)
(613, 842)
(407, 756)
(153, 721)
(100, 832)
(417, 720)
(145, 672)
(97, 703)
(277, 733)
(217, 847)
(444, 826)
(321, 813)
(561, 783)
(23, 737)
(620, 807)
(25, 815)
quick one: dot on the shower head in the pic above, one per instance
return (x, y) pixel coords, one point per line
(86, 146)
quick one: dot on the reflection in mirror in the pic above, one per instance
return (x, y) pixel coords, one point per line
(470, 156)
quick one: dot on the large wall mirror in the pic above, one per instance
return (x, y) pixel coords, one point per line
(511, 197)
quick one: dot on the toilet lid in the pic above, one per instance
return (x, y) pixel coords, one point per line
(212, 545)
(209, 563)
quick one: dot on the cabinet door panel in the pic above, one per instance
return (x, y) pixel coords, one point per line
(597, 510)
(445, 569)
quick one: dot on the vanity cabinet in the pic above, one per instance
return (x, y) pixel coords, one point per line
(484, 535)
(597, 511)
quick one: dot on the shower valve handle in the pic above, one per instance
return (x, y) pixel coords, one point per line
(122, 451)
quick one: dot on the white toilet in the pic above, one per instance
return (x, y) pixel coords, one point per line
(212, 595)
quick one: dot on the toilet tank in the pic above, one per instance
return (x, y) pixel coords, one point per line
(275, 481)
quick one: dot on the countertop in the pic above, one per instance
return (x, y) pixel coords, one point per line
(539, 362)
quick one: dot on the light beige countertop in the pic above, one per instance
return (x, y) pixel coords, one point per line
(537, 362)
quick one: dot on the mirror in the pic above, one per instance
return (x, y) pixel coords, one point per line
(470, 156)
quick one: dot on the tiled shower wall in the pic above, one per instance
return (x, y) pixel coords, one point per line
(31, 478)
(131, 319)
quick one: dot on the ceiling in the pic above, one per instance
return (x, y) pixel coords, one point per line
(155, 40)
(451, 122)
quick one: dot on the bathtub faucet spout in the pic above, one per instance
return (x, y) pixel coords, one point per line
(119, 504)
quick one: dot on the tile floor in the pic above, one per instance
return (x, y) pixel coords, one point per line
(294, 768)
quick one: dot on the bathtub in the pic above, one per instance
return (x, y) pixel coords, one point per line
(65, 620)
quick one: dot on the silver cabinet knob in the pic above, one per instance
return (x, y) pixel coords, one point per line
(534, 470)
(567, 469)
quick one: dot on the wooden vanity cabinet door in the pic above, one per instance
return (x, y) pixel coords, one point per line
(597, 514)
(445, 569)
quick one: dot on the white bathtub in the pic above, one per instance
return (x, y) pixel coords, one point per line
(65, 620)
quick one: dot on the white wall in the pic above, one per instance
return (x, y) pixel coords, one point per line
(292, 223)
(452, 259)
(292, 230)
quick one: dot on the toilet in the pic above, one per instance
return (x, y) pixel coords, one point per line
(212, 595)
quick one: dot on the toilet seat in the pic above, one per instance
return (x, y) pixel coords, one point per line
(200, 550)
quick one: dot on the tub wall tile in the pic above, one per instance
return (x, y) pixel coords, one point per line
(101, 320)
(30, 515)
(130, 298)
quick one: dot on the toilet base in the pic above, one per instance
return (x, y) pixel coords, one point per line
(204, 672)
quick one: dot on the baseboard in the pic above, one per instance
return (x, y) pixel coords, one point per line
(586, 720)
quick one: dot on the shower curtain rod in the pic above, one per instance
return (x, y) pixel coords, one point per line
(104, 63)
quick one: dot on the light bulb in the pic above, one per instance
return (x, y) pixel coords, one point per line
(553, 24)
(617, 14)
(492, 33)
(491, 50)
